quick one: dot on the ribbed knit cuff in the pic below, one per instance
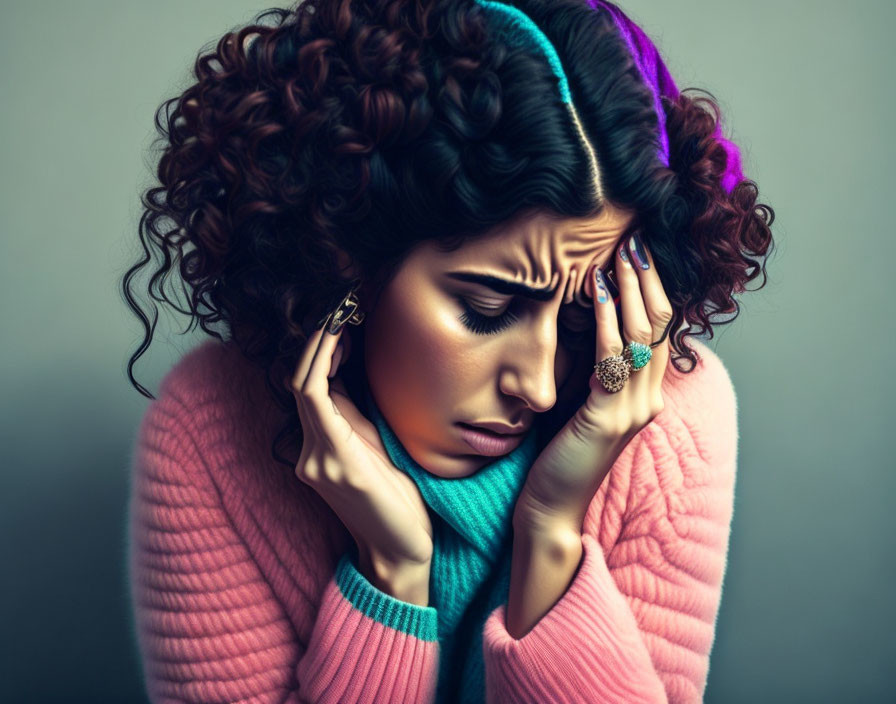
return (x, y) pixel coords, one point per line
(418, 621)
(368, 647)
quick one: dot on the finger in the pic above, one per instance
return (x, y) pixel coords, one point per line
(656, 304)
(297, 384)
(319, 414)
(337, 360)
(609, 341)
(300, 371)
(316, 388)
(635, 323)
(659, 312)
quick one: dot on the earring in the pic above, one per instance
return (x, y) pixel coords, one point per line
(348, 311)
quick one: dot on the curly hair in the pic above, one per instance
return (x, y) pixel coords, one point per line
(370, 127)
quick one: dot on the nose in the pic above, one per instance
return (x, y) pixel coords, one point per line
(529, 368)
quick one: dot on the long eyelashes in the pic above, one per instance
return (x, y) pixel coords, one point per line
(482, 324)
(486, 324)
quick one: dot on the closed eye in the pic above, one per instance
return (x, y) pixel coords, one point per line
(574, 320)
(484, 324)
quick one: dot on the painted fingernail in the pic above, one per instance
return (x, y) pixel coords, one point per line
(639, 252)
(623, 255)
(603, 294)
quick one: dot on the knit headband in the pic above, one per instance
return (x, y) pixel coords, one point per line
(514, 24)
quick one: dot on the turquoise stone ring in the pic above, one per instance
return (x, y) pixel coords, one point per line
(637, 355)
(614, 371)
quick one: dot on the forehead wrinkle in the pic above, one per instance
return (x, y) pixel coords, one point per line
(536, 249)
(541, 253)
(580, 244)
(549, 248)
(546, 253)
(577, 248)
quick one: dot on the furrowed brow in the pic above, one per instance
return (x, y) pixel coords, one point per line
(505, 286)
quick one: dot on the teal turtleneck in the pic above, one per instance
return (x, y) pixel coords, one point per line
(470, 577)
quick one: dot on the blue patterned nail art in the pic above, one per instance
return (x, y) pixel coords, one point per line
(603, 294)
(638, 251)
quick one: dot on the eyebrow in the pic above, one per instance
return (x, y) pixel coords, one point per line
(506, 286)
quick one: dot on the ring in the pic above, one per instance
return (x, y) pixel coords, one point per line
(612, 372)
(637, 355)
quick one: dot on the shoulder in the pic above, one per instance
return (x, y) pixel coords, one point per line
(211, 427)
(210, 395)
(705, 391)
(703, 401)
(693, 441)
(215, 383)
(203, 373)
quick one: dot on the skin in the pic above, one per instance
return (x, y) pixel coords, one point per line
(416, 327)
(427, 370)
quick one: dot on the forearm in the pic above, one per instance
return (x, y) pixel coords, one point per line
(544, 562)
(547, 547)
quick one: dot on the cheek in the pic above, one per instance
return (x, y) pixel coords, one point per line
(419, 360)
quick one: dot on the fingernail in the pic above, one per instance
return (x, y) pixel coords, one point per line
(639, 252)
(623, 255)
(603, 294)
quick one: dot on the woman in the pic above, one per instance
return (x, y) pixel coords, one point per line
(452, 245)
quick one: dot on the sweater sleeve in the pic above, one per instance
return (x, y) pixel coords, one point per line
(638, 625)
(368, 646)
(209, 626)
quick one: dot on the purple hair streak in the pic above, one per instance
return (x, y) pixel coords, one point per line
(656, 75)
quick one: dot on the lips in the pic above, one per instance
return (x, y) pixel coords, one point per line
(487, 442)
(495, 428)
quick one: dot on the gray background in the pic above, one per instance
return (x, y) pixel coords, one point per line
(807, 612)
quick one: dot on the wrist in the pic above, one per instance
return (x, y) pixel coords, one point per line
(556, 525)
(553, 537)
(404, 581)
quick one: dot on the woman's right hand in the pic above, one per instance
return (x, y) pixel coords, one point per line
(343, 458)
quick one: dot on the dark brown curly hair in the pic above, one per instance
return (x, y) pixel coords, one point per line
(369, 127)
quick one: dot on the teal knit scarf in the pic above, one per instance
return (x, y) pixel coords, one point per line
(472, 534)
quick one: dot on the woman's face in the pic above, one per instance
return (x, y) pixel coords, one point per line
(443, 347)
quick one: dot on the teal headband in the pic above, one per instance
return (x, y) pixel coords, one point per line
(521, 26)
(516, 26)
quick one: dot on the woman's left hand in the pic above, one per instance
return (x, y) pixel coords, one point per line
(565, 477)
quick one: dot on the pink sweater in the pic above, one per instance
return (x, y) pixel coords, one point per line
(232, 562)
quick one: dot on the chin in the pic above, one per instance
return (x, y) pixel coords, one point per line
(454, 466)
